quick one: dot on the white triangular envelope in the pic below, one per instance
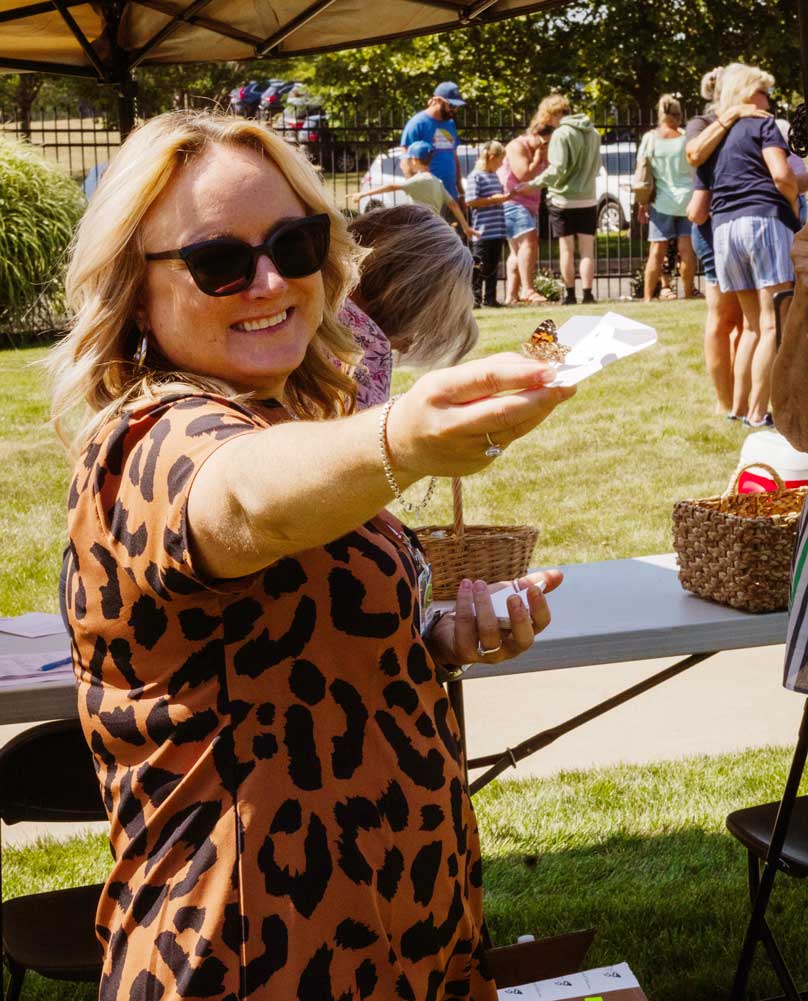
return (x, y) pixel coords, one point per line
(597, 341)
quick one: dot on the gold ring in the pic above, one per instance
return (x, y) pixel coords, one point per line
(484, 653)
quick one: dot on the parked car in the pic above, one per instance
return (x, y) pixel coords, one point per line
(304, 122)
(245, 100)
(274, 98)
(613, 187)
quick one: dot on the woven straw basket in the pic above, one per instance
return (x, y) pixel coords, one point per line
(737, 549)
(487, 552)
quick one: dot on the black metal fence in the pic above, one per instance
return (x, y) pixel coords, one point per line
(356, 151)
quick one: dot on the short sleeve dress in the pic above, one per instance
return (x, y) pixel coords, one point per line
(281, 768)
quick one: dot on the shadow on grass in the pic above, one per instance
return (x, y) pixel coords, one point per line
(673, 906)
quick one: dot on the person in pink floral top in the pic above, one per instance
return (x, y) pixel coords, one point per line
(414, 296)
(373, 373)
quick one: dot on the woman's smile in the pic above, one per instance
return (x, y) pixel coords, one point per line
(263, 323)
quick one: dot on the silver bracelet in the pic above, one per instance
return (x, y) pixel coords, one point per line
(388, 467)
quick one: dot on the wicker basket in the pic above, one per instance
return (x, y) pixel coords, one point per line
(487, 552)
(737, 549)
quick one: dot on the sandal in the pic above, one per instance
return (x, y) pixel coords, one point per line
(533, 299)
(667, 295)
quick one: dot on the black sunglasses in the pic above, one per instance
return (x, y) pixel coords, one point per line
(226, 265)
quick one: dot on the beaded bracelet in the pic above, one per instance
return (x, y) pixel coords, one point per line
(388, 467)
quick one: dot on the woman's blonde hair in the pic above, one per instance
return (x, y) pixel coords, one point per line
(92, 367)
(488, 152)
(739, 82)
(416, 283)
(668, 107)
(711, 84)
(550, 106)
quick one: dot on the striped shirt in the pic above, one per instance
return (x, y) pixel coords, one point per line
(490, 220)
(795, 673)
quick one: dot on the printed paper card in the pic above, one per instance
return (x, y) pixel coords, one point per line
(609, 983)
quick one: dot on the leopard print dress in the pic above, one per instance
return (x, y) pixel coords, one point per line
(281, 768)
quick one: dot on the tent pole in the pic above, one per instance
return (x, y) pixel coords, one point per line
(127, 88)
(803, 11)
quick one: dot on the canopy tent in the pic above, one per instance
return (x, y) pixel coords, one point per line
(107, 39)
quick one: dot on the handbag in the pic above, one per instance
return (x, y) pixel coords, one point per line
(643, 184)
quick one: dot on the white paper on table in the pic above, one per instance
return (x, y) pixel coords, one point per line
(597, 341)
(527, 992)
(32, 625)
(574, 985)
(20, 669)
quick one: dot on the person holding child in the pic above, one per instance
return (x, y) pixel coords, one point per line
(525, 158)
(422, 185)
(486, 197)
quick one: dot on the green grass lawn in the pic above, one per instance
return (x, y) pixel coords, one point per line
(639, 852)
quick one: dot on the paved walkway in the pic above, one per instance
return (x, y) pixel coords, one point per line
(732, 701)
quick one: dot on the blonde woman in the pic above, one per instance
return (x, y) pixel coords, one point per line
(416, 269)
(525, 159)
(754, 215)
(664, 148)
(257, 675)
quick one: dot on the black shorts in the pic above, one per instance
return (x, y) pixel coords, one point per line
(568, 222)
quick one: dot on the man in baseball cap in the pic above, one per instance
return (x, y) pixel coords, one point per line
(450, 92)
(435, 125)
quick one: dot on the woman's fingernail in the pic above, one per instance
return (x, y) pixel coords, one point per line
(465, 585)
(480, 586)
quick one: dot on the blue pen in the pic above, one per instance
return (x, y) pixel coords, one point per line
(56, 663)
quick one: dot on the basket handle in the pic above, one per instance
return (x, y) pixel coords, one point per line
(732, 488)
(457, 506)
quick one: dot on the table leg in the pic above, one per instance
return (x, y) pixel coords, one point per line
(454, 690)
(508, 758)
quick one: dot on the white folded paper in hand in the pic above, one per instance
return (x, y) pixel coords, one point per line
(597, 341)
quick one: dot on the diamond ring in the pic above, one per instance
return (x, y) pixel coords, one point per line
(493, 449)
(484, 653)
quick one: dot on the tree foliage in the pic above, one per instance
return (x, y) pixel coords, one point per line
(39, 208)
(605, 51)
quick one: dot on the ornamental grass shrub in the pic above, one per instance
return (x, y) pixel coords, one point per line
(39, 208)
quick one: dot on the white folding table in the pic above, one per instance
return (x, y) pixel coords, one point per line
(603, 613)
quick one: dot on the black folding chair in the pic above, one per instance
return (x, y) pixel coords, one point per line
(775, 836)
(47, 774)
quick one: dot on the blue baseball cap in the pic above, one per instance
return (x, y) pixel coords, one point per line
(449, 92)
(420, 149)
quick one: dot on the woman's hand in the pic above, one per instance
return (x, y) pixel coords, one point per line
(447, 422)
(643, 215)
(473, 635)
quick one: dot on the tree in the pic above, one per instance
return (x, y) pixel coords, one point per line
(603, 52)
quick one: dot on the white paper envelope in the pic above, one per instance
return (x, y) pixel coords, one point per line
(597, 341)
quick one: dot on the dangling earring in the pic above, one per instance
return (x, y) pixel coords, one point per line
(142, 349)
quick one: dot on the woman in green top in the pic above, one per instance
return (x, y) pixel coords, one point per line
(664, 148)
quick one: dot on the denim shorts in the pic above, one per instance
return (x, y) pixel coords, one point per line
(518, 220)
(702, 239)
(752, 252)
(663, 227)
